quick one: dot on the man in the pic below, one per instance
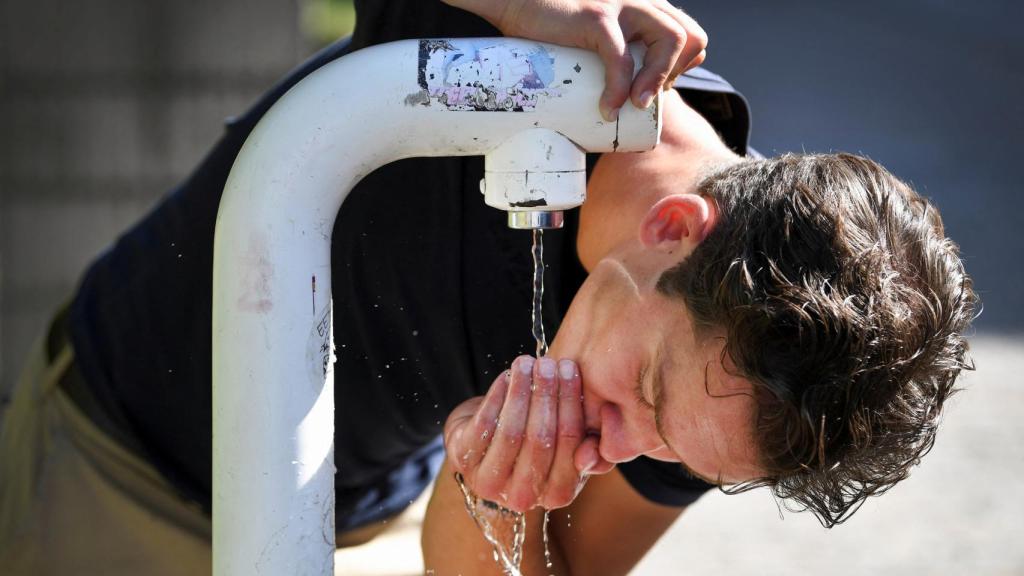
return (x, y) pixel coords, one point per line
(794, 323)
(416, 346)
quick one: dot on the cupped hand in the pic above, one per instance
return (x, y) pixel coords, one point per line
(523, 444)
(675, 42)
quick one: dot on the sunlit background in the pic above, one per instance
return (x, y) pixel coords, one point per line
(104, 105)
(324, 21)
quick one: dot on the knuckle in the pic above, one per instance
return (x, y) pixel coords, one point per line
(547, 386)
(676, 39)
(599, 13)
(570, 433)
(481, 429)
(509, 434)
(570, 390)
(542, 439)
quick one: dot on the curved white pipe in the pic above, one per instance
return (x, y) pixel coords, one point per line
(273, 402)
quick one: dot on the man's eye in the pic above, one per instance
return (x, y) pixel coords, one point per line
(639, 390)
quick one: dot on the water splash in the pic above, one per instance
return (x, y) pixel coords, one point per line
(547, 547)
(509, 557)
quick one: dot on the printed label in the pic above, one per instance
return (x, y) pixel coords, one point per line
(320, 348)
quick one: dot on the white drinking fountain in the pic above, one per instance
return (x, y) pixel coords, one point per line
(531, 109)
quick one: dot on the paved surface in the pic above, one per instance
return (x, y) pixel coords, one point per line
(960, 513)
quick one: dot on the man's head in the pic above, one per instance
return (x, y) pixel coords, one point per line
(836, 294)
(795, 322)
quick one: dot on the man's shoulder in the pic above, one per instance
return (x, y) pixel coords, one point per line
(722, 105)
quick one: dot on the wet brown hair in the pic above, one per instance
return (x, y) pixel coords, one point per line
(844, 303)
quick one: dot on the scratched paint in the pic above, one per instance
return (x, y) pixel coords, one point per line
(485, 75)
(257, 272)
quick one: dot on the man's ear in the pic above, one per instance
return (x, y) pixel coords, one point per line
(675, 220)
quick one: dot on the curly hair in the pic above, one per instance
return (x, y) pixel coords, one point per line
(845, 305)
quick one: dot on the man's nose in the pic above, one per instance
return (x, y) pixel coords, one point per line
(622, 441)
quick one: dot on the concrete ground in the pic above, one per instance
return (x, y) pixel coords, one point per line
(960, 512)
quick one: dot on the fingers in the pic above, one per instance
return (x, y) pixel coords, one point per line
(618, 68)
(516, 445)
(470, 427)
(489, 479)
(531, 474)
(665, 40)
(675, 43)
(695, 49)
(564, 479)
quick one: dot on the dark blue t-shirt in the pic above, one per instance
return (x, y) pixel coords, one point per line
(431, 292)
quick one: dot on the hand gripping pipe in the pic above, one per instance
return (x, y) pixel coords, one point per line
(530, 108)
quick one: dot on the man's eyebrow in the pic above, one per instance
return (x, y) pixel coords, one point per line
(658, 389)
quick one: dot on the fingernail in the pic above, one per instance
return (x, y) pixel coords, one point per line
(609, 114)
(589, 463)
(547, 367)
(526, 365)
(646, 98)
(566, 369)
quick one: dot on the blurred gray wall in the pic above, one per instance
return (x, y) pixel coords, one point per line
(104, 104)
(932, 89)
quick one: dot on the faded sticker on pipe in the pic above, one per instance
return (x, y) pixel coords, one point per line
(485, 75)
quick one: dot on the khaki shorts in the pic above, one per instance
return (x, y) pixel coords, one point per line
(75, 502)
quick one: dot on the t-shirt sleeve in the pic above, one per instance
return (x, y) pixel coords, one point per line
(664, 483)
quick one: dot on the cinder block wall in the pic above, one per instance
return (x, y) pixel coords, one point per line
(103, 106)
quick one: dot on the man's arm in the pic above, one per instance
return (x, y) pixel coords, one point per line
(606, 530)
